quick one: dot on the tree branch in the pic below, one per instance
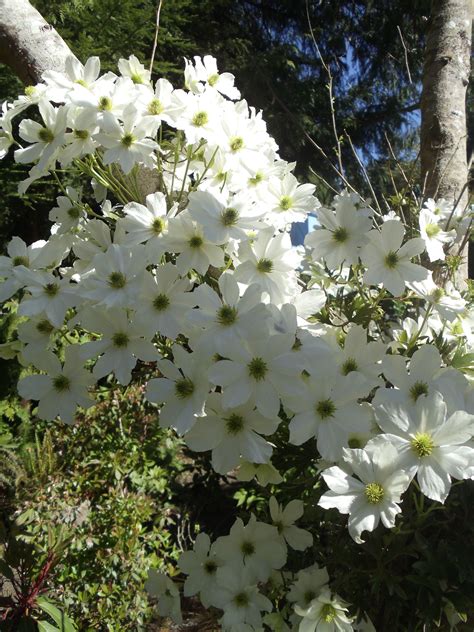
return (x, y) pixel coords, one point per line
(28, 44)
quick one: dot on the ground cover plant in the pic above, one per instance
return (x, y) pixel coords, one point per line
(326, 386)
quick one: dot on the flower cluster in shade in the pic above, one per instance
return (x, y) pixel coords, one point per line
(176, 255)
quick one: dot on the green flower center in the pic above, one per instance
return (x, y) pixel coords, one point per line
(212, 80)
(437, 294)
(257, 369)
(285, 202)
(157, 226)
(210, 567)
(74, 212)
(136, 78)
(161, 302)
(340, 235)
(46, 135)
(325, 408)
(200, 119)
(44, 327)
(226, 315)
(117, 280)
(196, 242)
(349, 365)
(236, 143)
(61, 383)
(247, 548)
(128, 140)
(234, 424)
(81, 134)
(120, 339)
(184, 388)
(21, 261)
(51, 289)
(257, 178)
(354, 442)
(374, 492)
(265, 265)
(105, 104)
(423, 444)
(328, 613)
(241, 600)
(155, 107)
(229, 217)
(418, 388)
(81, 82)
(391, 260)
(30, 91)
(432, 230)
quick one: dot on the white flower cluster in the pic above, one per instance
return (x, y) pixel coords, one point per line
(180, 257)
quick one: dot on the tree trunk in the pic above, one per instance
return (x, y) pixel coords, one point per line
(444, 168)
(28, 44)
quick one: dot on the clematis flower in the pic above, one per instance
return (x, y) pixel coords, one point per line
(430, 445)
(284, 520)
(371, 497)
(388, 262)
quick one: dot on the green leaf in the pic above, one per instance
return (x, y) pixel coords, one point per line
(44, 626)
(60, 618)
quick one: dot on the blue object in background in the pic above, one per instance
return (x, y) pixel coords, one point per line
(299, 230)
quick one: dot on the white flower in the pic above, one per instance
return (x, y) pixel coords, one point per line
(426, 375)
(132, 68)
(162, 587)
(308, 584)
(328, 409)
(80, 141)
(6, 136)
(46, 139)
(47, 294)
(284, 519)
(206, 71)
(39, 254)
(388, 262)
(59, 84)
(147, 224)
(69, 213)
(200, 115)
(196, 251)
(343, 233)
(270, 262)
(287, 201)
(122, 343)
(117, 277)
(374, 497)
(183, 390)
(446, 301)
(201, 565)
(433, 235)
(221, 218)
(61, 390)
(223, 320)
(325, 613)
(127, 144)
(428, 444)
(231, 433)
(165, 302)
(239, 598)
(256, 545)
(258, 371)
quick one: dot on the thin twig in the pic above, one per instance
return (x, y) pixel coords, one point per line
(364, 171)
(406, 55)
(157, 28)
(331, 96)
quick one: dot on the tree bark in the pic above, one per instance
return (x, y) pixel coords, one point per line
(28, 44)
(444, 167)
